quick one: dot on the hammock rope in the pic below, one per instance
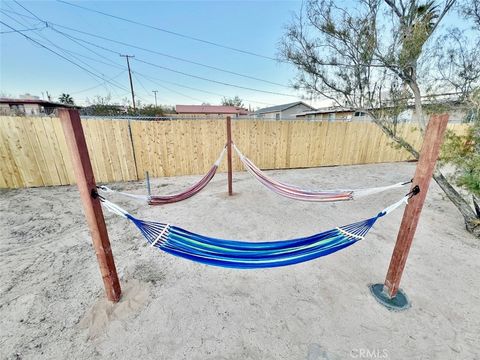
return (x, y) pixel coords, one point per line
(297, 193)
(183, 195)
(250, 255)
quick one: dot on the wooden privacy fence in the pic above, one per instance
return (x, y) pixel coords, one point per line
(33, 151)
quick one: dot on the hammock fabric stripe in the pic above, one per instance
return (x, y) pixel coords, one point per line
(296, 193)
(183, 195)
(249, 255)
(193, 190)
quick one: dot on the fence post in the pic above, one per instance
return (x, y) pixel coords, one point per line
(229, 155)
(72, 128)
(389, 293)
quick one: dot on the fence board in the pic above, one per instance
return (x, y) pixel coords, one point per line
(33, 151)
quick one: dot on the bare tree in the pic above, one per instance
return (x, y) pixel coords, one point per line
(471, 9)
(367, 57)
(457, 62)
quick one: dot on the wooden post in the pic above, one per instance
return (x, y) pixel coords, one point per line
(229, 155)
(423, 174)
(72, 128)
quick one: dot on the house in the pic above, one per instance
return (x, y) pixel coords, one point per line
(456, 110)
(210, 110)
(29, 106)
(283, 112)
(334, 113)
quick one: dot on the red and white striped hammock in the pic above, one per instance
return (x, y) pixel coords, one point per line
(185, 194)
(297, 193)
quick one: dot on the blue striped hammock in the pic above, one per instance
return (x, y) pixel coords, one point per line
(249, 255)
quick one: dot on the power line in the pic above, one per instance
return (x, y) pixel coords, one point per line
(101, 84)
(213, 81)
(169, 89)
(22, 30)
(334, 63)
(68, 37)
(121, 67)
(148, 77)
(65, 51)
(24, 8)
(216, 68)
(177, 71)
(169, 56)
(71, 38)
(322, 63)
(56, 53)
(171, 32)
(151, 78)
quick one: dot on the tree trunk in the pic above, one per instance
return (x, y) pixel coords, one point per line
(472, 222)
(418, 113)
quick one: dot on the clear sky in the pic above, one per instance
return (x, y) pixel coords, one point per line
(255, 26)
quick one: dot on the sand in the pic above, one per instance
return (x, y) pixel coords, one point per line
(52, 304)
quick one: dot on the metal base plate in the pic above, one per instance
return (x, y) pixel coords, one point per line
(399, 303)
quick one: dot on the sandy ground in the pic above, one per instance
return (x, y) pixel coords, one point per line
(52, 304)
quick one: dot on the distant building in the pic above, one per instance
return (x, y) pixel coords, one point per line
(456, 111)
(210, 110)
(335, 113)
(283, 112)
(31, 106)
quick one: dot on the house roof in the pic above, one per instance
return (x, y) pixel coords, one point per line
(327, 110)
(209, 109)
(35, 101)
(282, 107)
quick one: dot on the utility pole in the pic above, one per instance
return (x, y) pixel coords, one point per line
(131, 82)
(155, 92)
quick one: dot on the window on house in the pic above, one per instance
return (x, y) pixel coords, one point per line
(331, 116)
(359, 114)
(277, 116)
(17, 108)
